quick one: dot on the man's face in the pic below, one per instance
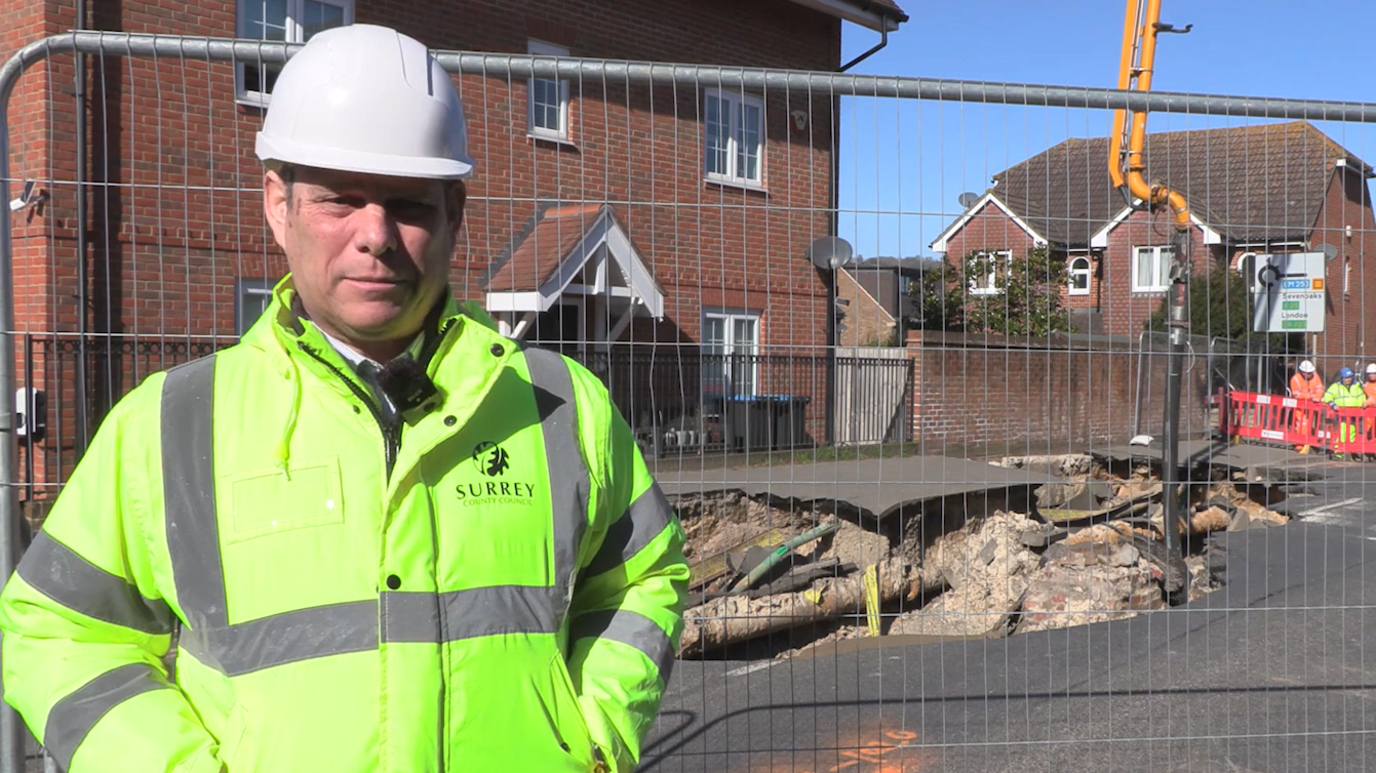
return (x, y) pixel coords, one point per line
(369, 254)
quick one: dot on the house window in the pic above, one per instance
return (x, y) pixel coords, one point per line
(987, 282)
(290, 21)
(1151, 269)
(1079, 276)
(1347, 276)
(252, 296)
(730, 347)
(735, 137)
(548, 100)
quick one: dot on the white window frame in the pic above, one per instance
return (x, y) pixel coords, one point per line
(1159, 263)
(734, 102)
(562, 134)
(1087, 271)
(244, 288)
(989, 285)
(295, 34)
(730, 345)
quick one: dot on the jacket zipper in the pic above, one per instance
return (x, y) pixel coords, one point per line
(391, 431)
(433, 346)
(391, 437)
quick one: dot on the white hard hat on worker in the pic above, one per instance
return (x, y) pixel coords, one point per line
(364, 98)
(365, 144)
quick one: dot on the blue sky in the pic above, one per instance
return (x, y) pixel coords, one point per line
(903, 165)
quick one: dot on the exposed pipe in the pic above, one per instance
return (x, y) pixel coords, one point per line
(1139, 43)
(883, 41)
(1118, 137)
(1139, 40)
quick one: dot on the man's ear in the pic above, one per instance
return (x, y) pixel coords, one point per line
(455, 200)
(275, 206)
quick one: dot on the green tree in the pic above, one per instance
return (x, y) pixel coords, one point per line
(939, 298)
(1027, 297)
(1220, 306)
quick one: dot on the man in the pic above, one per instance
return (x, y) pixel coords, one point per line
(1344, 393)
(385, 537)
(1305, 385)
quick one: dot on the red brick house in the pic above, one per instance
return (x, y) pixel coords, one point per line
(1283, 187)
(670, 216)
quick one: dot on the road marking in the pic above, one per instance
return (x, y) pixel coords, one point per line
(743, 670)
(1326, 508)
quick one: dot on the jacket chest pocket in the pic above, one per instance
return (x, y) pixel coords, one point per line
(270, 501)
(286, 542)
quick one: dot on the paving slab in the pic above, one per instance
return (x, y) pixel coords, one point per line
(877, 486)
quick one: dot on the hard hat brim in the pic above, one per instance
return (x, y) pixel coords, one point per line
(286, 151)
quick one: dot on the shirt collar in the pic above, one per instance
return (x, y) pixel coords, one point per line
(356, 358)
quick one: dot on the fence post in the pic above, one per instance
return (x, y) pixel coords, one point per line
(11, 729)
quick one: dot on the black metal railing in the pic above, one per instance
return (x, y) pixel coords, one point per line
(80, 380)
(675, 398)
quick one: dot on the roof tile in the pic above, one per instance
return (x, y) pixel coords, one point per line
(1247, 182)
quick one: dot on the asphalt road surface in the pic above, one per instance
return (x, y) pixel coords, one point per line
(1276, 671)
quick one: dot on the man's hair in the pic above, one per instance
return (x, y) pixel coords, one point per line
(288, 174)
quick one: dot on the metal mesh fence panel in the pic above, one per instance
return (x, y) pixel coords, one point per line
(944, 435)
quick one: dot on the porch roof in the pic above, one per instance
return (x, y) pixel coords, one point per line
(558, 244)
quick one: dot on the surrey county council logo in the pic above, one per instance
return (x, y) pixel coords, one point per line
(491, 459)
(494, 462)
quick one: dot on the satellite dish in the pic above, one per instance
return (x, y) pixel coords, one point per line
(830, 252)
(1329, 251)
(968, 199)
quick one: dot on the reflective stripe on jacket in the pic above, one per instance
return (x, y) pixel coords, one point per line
(1306, 388)
(497, 584)
(1345, 396)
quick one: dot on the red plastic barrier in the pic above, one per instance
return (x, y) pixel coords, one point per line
(1299, 422)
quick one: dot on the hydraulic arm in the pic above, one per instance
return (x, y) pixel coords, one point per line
(1127, 169)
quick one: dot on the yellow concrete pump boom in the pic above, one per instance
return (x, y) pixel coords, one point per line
(1126, 170)
(1140, 29)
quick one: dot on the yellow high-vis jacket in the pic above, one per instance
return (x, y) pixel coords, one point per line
(493, 582)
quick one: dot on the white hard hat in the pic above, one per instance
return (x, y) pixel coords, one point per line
(1306, 366)
(364, 98)
(1371, 367)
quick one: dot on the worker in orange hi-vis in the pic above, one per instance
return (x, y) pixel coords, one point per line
(1305, 385)
(1369, 385)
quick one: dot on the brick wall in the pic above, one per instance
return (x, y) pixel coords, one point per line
(1124, 310)
(1350, 280)
(176, 217)
(172, 130)
(995, 394)
(1091, 299)
(989, 229)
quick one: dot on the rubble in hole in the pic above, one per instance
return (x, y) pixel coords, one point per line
(775, 578)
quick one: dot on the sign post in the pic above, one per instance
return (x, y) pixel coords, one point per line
(1288, 296)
